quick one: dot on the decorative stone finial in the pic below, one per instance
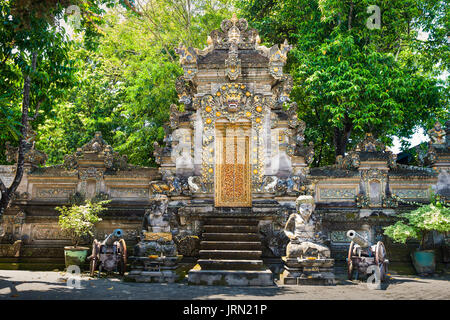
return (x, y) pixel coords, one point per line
(234, 18)
(437, 134)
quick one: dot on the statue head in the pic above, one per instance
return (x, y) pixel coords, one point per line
(305, 205)
(159, 205)
(437, 126)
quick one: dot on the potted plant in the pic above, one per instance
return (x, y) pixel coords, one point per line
(78, 221)
(417, 224)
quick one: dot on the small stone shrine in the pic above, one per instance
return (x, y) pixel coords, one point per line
(155, 256)
(307, 259)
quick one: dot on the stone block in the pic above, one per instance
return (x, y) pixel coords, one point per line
(231, 277)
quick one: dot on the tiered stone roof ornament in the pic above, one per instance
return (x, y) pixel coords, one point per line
(438, 155)
(234, 32)
(32, 156)
(368, 149)
(233, 36)
(373, 160)
(437, 135)
(96, 152)
(370, 144)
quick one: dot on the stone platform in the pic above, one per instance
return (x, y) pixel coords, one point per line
(231, 277)
(154, 269)
(166, 276)
(308, 271)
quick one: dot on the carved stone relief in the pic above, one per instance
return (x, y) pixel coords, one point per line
(129, 192)
(54, 192)
(339, 194)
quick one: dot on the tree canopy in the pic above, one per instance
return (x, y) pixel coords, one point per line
(127, 83)
(36, 71)
(350, 79)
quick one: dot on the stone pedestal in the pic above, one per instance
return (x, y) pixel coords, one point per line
(154, 269)
(308, 271)
(155, 259)
(231, 277)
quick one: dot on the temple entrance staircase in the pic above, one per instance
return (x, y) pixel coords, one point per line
(230, 254)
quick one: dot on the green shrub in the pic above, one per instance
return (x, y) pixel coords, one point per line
(78, 221)
(418, 223)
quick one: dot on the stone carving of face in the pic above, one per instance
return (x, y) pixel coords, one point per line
(306, 209)
(437, 126)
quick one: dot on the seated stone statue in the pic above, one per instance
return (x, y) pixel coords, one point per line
(302, 230)
(155, 219)
(156, 232)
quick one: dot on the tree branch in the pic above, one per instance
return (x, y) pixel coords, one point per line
(350, 16)
(6, 196)
(130, 6)
(6, 57)
(36, 113)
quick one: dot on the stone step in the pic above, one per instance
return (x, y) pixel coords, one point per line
(232, 221)
(231, 277)
(230, 264)
(230, 254)
(230, 245)
(231, 237)
(230, 229)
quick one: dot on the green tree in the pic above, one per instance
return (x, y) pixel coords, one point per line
(78, 221)
(420, 222)
(35, 71)
(349, 79)
(127, 82)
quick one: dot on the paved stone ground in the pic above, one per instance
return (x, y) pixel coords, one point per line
(37, 285)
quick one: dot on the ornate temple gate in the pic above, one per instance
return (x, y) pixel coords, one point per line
(232, 178)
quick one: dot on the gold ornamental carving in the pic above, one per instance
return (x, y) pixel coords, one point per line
(232, 178)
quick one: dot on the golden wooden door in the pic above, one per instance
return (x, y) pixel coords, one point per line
(232, 174)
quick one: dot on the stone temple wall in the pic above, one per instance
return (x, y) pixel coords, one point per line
(356, 196)
(233, 83)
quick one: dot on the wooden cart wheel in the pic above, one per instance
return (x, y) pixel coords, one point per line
(93, 263)
(350, 262)
(123, 259)
(380, 257)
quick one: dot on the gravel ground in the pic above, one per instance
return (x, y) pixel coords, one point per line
(37, 285)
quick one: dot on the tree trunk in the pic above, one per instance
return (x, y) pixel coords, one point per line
(8, 192)
(350, 15)
(341, 137)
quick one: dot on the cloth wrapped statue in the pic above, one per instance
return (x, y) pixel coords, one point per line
(304, 233)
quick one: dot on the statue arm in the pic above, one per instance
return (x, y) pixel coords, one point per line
(144, 224)
(145, 221)
(290, 227)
